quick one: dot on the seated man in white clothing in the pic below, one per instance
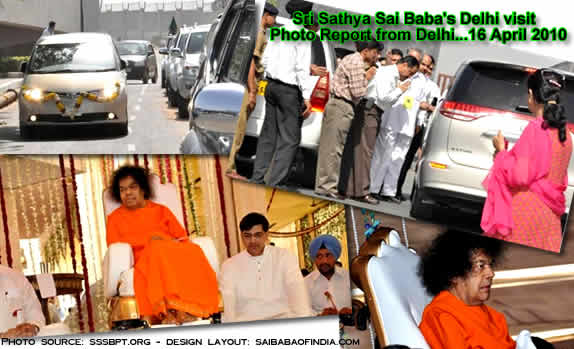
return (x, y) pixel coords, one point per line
(328, 285)
(20, 310)
(262, 282)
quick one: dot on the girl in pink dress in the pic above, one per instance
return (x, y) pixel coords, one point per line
(525, 187)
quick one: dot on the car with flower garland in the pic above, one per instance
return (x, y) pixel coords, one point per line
(73, 79)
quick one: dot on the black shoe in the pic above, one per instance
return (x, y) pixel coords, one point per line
(377, 196)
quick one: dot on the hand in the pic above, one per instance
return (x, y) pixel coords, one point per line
(417, 129)
(371, 73)
(499, 142)
(405, 86)
(251, 104)
(318, 70)
(22, 330)
(329, 311)
(307, 111)
(346, 311)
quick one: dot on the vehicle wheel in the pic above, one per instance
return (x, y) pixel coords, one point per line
(25, 132)
(418, 208)
(170, 96)
(182, 108)
(122, 129)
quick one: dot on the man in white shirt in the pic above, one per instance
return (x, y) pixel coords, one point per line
(262, 282)
(50, 30)
(391, 97)
(287, 102)
(328, 285)
(20, 311)
(432, 92)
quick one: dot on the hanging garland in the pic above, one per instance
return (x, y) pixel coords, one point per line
(222, 205)
(168, 169)
(181, 194)
(306, 230)
(146, 162)
(70, 235)
(5, 222)
(136, 160)
(82, 250)
(189, 187)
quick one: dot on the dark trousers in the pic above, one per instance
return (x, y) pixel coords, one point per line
(280, 135)
(416, 143)
(355, 176)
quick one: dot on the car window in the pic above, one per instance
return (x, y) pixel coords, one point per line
(73, 58)
(241, 47)
(182, 42)
(195, 42)
(223, 34)
(501, 87)
(132, 48)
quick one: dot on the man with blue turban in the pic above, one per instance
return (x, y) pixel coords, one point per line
(328, 285)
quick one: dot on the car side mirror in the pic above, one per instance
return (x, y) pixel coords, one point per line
(163, 51)
(24, 67)
(176, 52)
(123, 64)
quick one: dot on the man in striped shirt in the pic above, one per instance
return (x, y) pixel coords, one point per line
(349, 85)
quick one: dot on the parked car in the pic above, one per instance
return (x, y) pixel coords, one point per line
(187, 67)
(216, 134)
(73, 79)
(140, 58)
(164, 61)
(457, 151)
(218, 92)
(169, 64)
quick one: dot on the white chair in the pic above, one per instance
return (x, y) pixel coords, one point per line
(386, 271)
(119, 260)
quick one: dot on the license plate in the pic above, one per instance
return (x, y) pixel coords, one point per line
(261, 87)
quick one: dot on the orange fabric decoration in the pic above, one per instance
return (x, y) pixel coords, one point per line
(169, 274)
(448, 323)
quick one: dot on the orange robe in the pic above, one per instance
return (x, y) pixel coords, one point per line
(448, 323)
(168, 274)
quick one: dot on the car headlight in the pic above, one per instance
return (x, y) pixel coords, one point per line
(34, 95)
(111, 91)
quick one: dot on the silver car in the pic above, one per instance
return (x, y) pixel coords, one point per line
(188, 67)
(73, 79)
(457, 152)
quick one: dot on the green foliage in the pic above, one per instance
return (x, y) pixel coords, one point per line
(12, 63)
(173, 26)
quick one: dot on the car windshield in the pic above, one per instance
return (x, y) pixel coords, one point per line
(73, 58)
(132, 48)
(196, 42)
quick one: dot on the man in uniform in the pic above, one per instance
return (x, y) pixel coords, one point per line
(250, 97)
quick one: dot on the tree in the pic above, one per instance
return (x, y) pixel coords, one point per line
(173, 26)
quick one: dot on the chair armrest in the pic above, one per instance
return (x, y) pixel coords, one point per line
(118, 259)
(208, 247)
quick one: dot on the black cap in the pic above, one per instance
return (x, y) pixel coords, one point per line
(272, 10)
(298, 5)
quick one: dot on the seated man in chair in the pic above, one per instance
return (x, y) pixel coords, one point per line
(458, 271)
(173, 279)
(21, 311)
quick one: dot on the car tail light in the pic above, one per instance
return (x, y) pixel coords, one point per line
(438, 165)
(320, 94)
(470, 112)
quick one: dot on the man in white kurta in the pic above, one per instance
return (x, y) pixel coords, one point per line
(328, 278)
(20, 311)
(262, 282)
(399, 102)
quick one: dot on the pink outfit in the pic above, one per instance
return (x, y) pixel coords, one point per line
(525, 189)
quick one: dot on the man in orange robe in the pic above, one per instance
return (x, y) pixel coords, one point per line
(172, 274)
(457, 269)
